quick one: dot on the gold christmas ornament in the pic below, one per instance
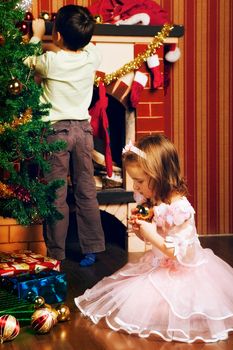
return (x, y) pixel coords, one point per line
(9, 328)
(54, 314)
(39, 302)
(42, 320)
(139, 59)
(98, 19)
(63, 313)
(145, 212)
(45, 16)
(15, 86)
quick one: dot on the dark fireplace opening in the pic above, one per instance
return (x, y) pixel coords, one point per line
(117, 131)
(115, 234)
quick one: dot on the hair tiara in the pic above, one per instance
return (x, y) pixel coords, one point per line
(131, 148)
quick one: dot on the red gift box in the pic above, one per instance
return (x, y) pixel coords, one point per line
(21, 261)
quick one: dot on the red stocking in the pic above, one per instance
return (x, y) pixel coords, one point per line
(139, 82)
(154, 66)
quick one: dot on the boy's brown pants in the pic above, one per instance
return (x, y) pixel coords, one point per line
(75, 160)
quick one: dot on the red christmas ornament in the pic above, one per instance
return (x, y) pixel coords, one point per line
(9, 328)
(28, 16)
(53, 16)
(2, 40)
(23, 27)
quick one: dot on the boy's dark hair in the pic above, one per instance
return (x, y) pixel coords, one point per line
(76, 25)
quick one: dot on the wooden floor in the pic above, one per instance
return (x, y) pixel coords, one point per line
(80, 334)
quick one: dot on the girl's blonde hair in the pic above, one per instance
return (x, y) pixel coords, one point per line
(161, 163)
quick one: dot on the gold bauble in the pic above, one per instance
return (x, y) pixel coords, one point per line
(63, 313)
(9, 328)
(98, 19)
(15, 86)
(54, 314)
(38, 302)
(42, 320)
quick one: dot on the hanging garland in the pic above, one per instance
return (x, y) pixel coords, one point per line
(23, 119)
(157, 41)
(15, 191)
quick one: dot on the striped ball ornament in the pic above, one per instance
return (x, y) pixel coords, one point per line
(9, 328)
(42, 320)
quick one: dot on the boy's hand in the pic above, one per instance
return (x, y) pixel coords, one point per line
(38, 28)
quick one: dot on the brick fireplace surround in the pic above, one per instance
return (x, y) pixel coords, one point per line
(146, 119)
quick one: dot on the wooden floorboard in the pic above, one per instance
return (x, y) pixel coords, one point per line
(80, 334)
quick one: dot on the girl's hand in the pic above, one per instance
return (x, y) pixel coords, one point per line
(143, 229)
(38, 28)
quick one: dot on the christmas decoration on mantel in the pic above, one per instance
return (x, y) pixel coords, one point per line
(24, 195)
(135, 64)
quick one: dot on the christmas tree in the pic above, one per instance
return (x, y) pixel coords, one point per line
(24, 195)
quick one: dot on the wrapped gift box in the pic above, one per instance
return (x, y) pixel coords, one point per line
(18, 262)
(49, 284)
(10, 304)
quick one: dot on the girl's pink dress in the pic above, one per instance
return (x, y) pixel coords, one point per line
(184, 299)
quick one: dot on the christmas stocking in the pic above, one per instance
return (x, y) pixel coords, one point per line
(99, 123)
(139, 82)
(154, 66)
(173, 54)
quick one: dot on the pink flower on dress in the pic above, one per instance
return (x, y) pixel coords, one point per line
(167, 262)
(160, 214)
(176, 213)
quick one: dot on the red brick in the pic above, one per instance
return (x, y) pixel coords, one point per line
(26, 233)
(149, 124)
(4, 236)
(157, 109)
(38, 247)
(140, 134)
(9, 247)
(139, 48)
(143, 110)
(149, 95)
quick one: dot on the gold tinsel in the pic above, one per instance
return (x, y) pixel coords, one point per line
(5, 191)
(23, 119)
(139, 59)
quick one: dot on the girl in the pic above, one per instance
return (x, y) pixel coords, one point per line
(178, 290)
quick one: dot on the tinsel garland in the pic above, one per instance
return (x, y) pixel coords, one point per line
(23, 119)
(157, 41)
(6, 191)
(17, 191)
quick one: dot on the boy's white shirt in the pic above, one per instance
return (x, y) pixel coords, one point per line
(67, 81)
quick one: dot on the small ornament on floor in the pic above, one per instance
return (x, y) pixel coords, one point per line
(63, 313)
(42, 321)
(9, 328)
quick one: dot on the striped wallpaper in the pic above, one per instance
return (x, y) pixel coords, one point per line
(199, 104)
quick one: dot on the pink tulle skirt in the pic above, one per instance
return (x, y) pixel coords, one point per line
(172, 301)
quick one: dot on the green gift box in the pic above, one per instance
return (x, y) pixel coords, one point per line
(10, 304)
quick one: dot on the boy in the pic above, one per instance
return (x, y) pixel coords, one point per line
(67, 74)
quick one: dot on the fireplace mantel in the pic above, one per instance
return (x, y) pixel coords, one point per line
(126, 33)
